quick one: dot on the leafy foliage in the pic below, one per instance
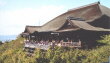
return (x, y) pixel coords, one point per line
(105, 40)
(1, 43)
(12, 52)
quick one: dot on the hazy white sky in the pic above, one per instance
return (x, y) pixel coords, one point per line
(16, 14)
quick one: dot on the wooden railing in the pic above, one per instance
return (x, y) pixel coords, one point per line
(46, 45)
(70, 44)
(40, 45)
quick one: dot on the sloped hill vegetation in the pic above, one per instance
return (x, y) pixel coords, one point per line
(12, 52)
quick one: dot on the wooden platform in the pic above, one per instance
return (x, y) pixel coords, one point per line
(46, 45)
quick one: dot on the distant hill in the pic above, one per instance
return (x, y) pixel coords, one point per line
(7, 37)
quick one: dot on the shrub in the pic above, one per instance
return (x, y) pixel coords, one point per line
(1, 43)
(12, 53)
(105, 40)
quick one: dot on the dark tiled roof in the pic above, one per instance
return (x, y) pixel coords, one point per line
(89, 13)
(86, 26)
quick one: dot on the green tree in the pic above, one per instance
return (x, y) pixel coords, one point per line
(105, 40)
(1, 43)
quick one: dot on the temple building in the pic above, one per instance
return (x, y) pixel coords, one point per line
(82, 25)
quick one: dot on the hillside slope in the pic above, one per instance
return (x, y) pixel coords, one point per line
(12, 52)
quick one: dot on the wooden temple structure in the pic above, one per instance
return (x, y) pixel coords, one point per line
(71, 29)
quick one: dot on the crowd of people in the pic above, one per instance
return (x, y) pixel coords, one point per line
(40, 44)
(46, 44)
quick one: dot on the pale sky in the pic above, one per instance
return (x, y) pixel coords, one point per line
(16, 14)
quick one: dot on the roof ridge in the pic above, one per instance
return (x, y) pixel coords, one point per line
(32, 26)
(104, 10)
(84, 6)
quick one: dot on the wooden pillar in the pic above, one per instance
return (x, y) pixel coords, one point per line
(29, 37)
